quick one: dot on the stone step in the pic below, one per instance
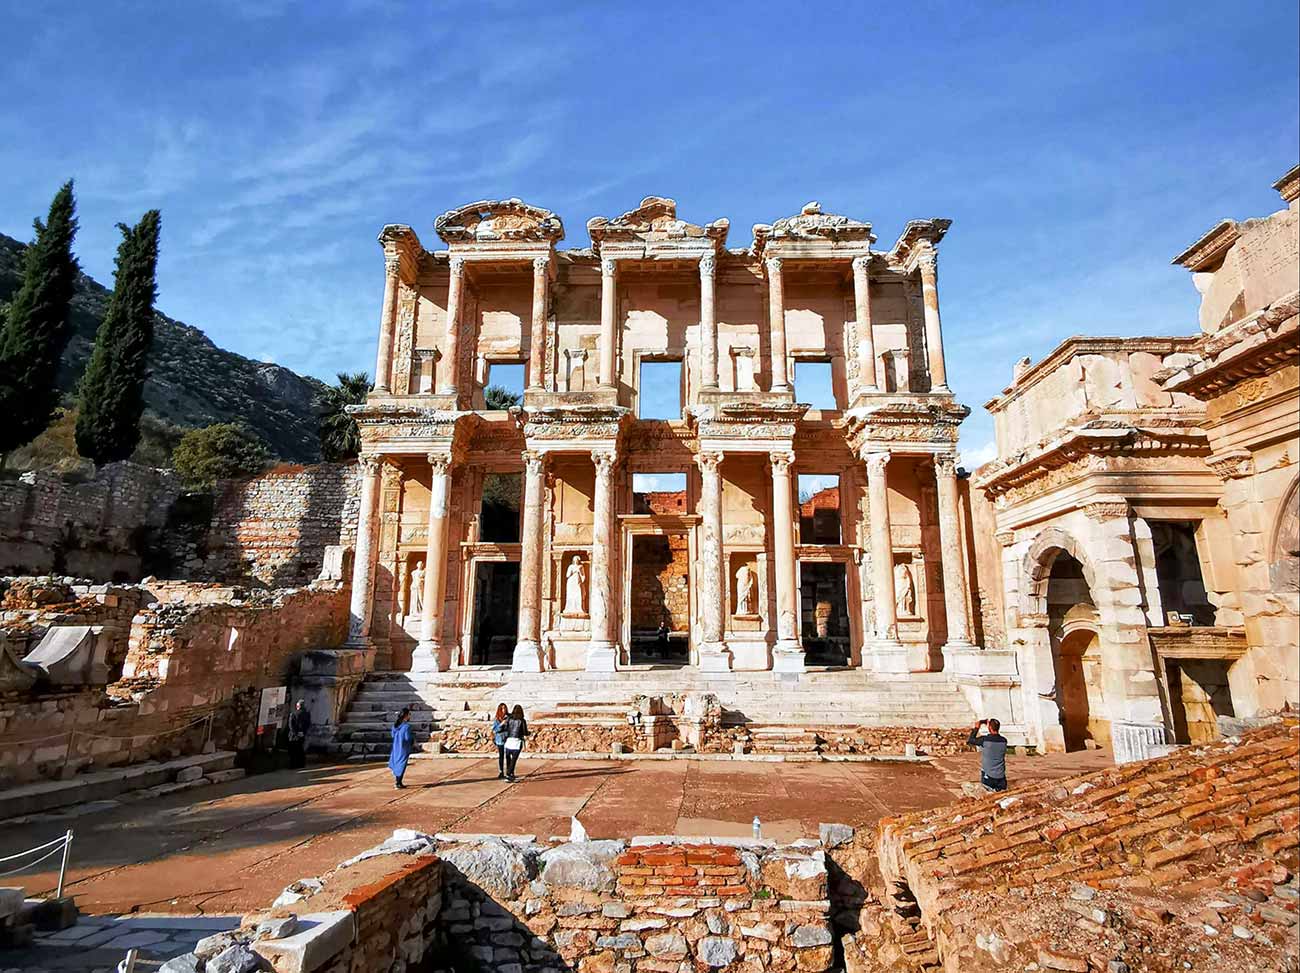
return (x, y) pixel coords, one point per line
(102, 785)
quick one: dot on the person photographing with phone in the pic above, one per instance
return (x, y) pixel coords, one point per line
(993, 754)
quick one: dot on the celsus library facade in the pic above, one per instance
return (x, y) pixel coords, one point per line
(662, 492)
(663, 453)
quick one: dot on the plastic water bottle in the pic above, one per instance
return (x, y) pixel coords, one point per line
(758, 829)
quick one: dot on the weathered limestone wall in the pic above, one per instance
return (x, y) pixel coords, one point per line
(273, 529)
(104, 528)
(131, 521)
(191, 671)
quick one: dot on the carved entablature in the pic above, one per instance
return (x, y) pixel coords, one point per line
(388, 428)
(918, 239)
(574, 429)
(655, 227)
(900, 424)
(746, 426)
(1208, 252)
(1200, 642)
(402, 251)
(499, 220)
(811, 225)
(1100, 444)
(1257, 347)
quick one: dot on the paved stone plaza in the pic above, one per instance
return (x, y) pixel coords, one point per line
(233, 847)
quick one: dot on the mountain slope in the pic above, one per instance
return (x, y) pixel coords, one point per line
(191, 381)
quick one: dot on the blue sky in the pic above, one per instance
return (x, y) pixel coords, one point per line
(1077, 148)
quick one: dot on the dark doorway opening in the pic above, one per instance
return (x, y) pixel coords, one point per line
(499, 514)
(1198, 696)
(1178, 572)
(661, 599)
(496, 613)
(824, 614)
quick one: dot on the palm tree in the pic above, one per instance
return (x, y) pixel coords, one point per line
(339, 437)
(496, 397)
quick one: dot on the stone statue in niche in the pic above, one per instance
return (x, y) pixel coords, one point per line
(575, 589)
(904, 591)
(746, 591)
(415, 600)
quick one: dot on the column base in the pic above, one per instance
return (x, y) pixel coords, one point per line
(427, 657)
(888, 655)
(527, 657)
(602, 657)
(788, 656)
(714, 657)
(951, 650)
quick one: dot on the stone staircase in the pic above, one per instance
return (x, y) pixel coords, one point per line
(778, 717)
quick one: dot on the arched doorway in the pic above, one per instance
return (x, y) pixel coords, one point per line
(1076, 654)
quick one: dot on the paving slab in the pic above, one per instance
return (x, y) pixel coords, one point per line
(241, 842)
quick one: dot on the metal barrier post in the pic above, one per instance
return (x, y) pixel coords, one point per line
(63, 866)
(128, 965)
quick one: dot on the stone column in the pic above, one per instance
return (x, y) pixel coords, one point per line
(602, 656)
(528, 647)
(776, 317)
(428, 654)
(451, 356)
(708, 325)
(710, 599)
(608, 320)
(537, 336)
(387, 323)
(866, 341)
(928, 261)
(363, 558)
(886, 651)
(787, 656)
(953, 554)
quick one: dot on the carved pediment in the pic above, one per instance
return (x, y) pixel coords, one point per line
(494, 220)
(812, 224)
(654, 221)
(917, 237)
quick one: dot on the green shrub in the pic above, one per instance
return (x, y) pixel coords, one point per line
(217, 452)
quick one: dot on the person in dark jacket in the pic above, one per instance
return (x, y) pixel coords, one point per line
(516, 733)
(993, 754)
(499, 738)
(403, 744)
(299, 727)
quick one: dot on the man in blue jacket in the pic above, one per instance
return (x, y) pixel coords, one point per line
(993, 754)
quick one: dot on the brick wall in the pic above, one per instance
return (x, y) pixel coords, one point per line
(1185, 862)
(660, 585)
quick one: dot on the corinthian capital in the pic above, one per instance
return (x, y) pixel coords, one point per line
(534, 463)
(607, 267)
(927, 257)
(945, 465)
(876, 463)
(369, 464)
(540, 264)
(773, 266)
(392, 264)
(781, 461)
(440, 463)
(457, 265)
(708, 462)
(707, 264)
(604, 461)
(861, 264)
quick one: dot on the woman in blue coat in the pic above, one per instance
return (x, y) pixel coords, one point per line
(403, 744)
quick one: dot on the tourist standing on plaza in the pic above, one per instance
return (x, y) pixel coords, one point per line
(299, 725)
(499, 738)
(516, 733)
(993, 755)
(403, 744)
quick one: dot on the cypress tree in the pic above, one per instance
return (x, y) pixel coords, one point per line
(112, 389)
(34, 328)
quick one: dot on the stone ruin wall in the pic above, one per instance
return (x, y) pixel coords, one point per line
(132, 521)
(502, 904)
(187, 663)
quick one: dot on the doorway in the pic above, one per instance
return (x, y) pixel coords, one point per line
(496, 613)
(1077, 659)
(660, 599)
(1198, 695)
(824, 613)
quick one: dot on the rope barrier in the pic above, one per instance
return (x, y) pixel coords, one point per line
(63, 844)
(74, 732)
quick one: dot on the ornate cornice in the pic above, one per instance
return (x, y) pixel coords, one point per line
(812, 225)
(903, 420)
(742, 420)
(386, 423)
(493, 220)
(1288, 187)
(916, 237)
(1259, 345)
(1234, 464)
(1208, 252)
(1106, 510)
(578, 423)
